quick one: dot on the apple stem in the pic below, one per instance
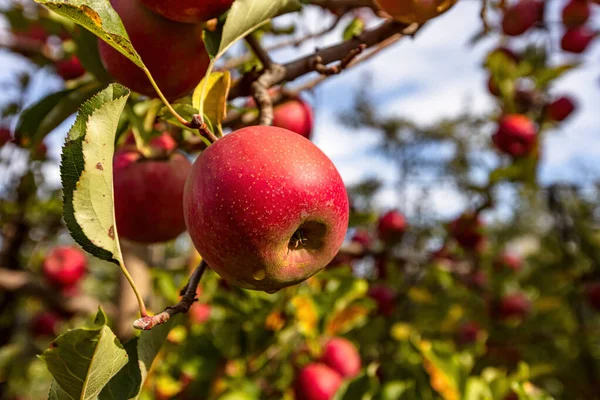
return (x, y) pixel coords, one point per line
(188, 297)
(164, 99)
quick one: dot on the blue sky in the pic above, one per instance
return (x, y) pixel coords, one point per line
(432, 76)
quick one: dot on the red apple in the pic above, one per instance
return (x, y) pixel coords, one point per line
(478, 280)
(342, 356)
(576, 40)
(516, 135)
(5, 136)
(164, 142)
(576, 13)
(34, 32)
(363, 237)
(64, 266)
(521, 16)
(70, 68)
(409, 11)
(468, 333)
(391, 227)
(317, 382)
(173, 52)
(148, 196)
(508, 261)
(294, 115)
(467, 230)
(561, 108)
(45, 324)
(265, 208)
(592, 293)
(199, 313)
(385, 297)
(190, 11)
(514, 306)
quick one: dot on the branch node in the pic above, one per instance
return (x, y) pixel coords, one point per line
(317, 62)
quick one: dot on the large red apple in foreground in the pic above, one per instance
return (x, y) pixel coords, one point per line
(342, 356)
(295, 115)
(191, 11)
(317, 382)
(173, 52)
(148, 196)
(409, 11)
(64, 266)
(265, 208)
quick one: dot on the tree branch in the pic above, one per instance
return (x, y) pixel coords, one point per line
(259, 51)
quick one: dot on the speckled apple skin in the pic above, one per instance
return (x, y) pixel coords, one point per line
(190, 11)
(296, 116)
(148, 196)
(246, 196)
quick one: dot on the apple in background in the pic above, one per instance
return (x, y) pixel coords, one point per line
(70, 68)
(45, 324)
(342, 356)
(576, 40)
(522, 16)
(478, 280)
(391, 227)
(39, 153)
(265, 208)
(561, 108)
(317, 381)
(34, 32)
(385, 297)
(592, 293)
(576, 13)
(64, 266)
(467, 230)
(362, 237)
(173, 52)
(409, 11)
(514, 306)
(294, 115)
(516, 135)
(468, 333)
(508, 261)
(5, 136)
(200, 313)
(189, 11)
(149, 194)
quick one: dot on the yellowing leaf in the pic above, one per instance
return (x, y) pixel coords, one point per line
(275, 321)
(346, 319)
(419, 295)
(306, 315)
(212, 94)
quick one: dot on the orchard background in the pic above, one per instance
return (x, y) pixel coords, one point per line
(466, 136)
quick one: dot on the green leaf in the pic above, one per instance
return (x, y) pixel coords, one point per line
(354, 28)
(41, 118)
(127, 384)
(213, 99)
(86, 173)
(101, 19)
(547, 75)
(56, 393)
(477, 389)
(83, 361)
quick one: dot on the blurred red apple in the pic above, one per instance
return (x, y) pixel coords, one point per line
(391, 227)
(592, 293)
(508, 261)
(577, 40)
(70, 68)
(294, 115)
(200, 313)
(468, 333)
(342, 356)
(190, 11)
(265, 208)
(64, 266)
(317, 381)
(516, 135)
(561, 108)
(521, 16)
(5, 136)
(514, 306)
(363, 237)
(576, 13)
(385, 297)
(45, 324)
(467, 230)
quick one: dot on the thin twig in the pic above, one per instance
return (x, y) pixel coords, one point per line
(259, 51)
(187, 300)
(336, 69)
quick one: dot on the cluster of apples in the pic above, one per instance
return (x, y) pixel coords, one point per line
(321, 380)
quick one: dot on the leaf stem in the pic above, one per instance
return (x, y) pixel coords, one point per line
(164, 99)
(138, 296)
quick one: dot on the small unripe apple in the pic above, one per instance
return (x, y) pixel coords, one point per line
(391, 227)
(45, 324)
(5, 136)
(342, 356)
(521, 16)
(64, 266)
(190, 11)
(514, 306)
(409, 11)
(561, 108)
(516, 135)
(385, 297)
(468, 333)
(363, 237)
(317, 381)
(265, 208)
(467, 230)
(294, 115)
(592, 293)
(508, 261)
(148, 196)
(576, 13)
(70, 68)
(173, 52)
(577, 40)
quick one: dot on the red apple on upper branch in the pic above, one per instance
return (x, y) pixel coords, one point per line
(391, 227)
(148, 195)
(342, 356)
(265, 208)
(577, 40)
(508, 261)
(467, 230)
(561, 108)
(409, 11)
(516, 135)
(521, 16)
(317, 381)
(295, 115)
(190, 11)
(576, 13)
(65, 266)
(70, 68)
(173, 52)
